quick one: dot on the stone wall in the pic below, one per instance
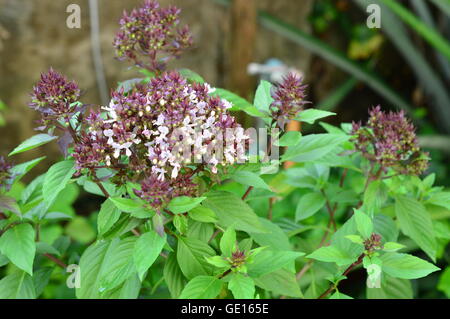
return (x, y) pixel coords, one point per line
(37, 38)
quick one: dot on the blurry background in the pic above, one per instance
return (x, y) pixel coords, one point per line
(348, 66)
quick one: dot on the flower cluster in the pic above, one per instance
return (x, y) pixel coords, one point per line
(373, 243)
(54, 97)
(390, 140)
(158, 130)
(5, 173)
(151, 32)
(157, 192)
(289, 99)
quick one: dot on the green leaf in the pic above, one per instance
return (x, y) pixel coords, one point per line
(364, 224)
(416, 223)
(147, 249)
(289, 138)
(311, 115)
(242, 287)
(391, 288)
(191, 254)
(444, 282)
(392, 246)
(18, 285)
(104, 267)
(331, 254)
(191, 75)
(314, 146)
(228, 242)
(218, 261)
(126, 205)
(250, 179)
(203, 214)
(184, 204)
(109, 214)
(239, 103)
(233, 211)
(41, 279)
(32, 143)
(275, 237)
(202, 287)
(267, 261)
(56, 179)
(282, 282)
(308, 205)
(440, 199)
(263, 96)
(21, 169)
(18, 244)
(173, 276)
(406, 266)
(355, 239)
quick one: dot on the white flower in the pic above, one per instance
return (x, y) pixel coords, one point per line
(160, 120)
(111, 109)
(108, 160)
(118, 147)
(227, 104)
(160, 171)
(109, 133)
(209, 88)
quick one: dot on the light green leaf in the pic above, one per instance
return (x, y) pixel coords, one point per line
(109, 214)
(242, 287)
(314, 146)
(191, 254)
(275, 237)
(331, 254)
(173, 276)
(202, 287)
(311, 115)
(21, 169)
(282, 282)
(218, 261)
(263, 97)
(364, 224)
(289, 138)
(147, 249)
(104, 267)
(228, 242)
(56, 179)
(308, 205)
(233, 211)
(391, 288)
(203, 214)
(440, 199)
(392, 246)
(416, 223)
(184, 204)
(33, 142)
(239, 103)
(18, 285)
(355, 239)
(250, 179)
(406, 266)
(191, 76)
(18, 244)
(267, 261)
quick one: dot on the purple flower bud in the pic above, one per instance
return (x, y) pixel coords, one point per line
(151, 33)
(5, 173)
(54, 96)
(390, 140)
(289, 99)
